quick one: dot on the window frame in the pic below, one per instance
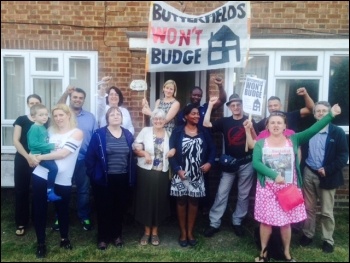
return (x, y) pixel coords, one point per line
(63, 73)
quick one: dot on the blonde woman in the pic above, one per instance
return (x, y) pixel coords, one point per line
(168, 104)
(65, 133)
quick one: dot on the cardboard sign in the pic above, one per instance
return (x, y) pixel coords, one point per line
(253, 95)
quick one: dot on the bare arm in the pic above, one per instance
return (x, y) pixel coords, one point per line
(145, 107)
(250, 133)
(19, 147)
(174, 109)
(309, 103)
(206, 121)
(63, 98)
(222, 94)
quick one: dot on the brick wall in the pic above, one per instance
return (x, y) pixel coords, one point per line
(102, 25)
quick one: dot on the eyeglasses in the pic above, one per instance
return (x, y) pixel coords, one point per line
(113, 95)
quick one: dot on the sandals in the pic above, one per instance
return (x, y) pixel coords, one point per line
(155, 240)
(261, 259)
(20, 231)
(144, 240)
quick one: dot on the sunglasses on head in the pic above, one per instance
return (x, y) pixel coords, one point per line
(278, 113)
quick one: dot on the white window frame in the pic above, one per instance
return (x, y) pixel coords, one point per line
(29, 57)
(294, 53)
(43, 54)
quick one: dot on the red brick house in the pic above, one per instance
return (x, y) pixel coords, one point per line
(47, 45)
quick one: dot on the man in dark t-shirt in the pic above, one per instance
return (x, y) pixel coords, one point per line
(293, 117)
(235, 139)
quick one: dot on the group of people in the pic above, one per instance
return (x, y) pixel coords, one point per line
(172, 157)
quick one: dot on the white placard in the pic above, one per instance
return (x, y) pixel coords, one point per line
(138, 85)
(253, 95)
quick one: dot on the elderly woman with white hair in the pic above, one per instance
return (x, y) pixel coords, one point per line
(152, 192)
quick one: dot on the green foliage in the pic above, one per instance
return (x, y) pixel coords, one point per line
(223, 247)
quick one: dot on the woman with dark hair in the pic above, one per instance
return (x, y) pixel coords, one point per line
(194, 156)
(23, 166)
(275, 151)
(111, 168)
(112, 97)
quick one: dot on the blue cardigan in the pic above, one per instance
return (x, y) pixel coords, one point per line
(175, 141)
(96, 157)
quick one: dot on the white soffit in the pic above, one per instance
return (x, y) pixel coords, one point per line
(273, 43)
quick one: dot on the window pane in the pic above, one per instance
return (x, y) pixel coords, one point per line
(339, 87)
(46, 64)
(80, 73)
(7, 136)
(15, 99)
(298, 63)
(50, 90)
(286, 91)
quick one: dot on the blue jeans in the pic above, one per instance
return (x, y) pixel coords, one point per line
(245, 182)
(51, 176)
(82, 182)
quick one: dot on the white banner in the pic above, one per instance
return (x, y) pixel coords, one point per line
(253, 95)
(180, 42)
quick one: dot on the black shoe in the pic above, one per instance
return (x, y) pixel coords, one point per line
(211, 231)
(327, 248)
(238, 229)
(192, 242)
(41, 251)
(183, 243)
(65, 243)
(102, 245)
(118, 242)
(305, 241)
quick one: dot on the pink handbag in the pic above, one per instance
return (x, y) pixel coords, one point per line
(289, 197)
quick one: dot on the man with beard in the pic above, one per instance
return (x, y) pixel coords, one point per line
(87, 123)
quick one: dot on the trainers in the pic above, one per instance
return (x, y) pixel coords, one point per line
(52, 197)
(305, 241)
(55, 226)
(41, 251)
(238, 229)
(65, 243)
(210, 231)
(86, 224)
(327, 248)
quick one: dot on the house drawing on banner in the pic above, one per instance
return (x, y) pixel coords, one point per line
(224, 35)
(256, 105)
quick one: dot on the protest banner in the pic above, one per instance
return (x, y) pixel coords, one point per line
(180, 42)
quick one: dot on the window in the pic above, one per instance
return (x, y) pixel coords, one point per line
(46, 73)
(323, 73)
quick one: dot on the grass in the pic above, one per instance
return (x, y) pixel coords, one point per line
(223, 247)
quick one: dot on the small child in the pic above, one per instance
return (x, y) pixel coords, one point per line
(38, 138)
